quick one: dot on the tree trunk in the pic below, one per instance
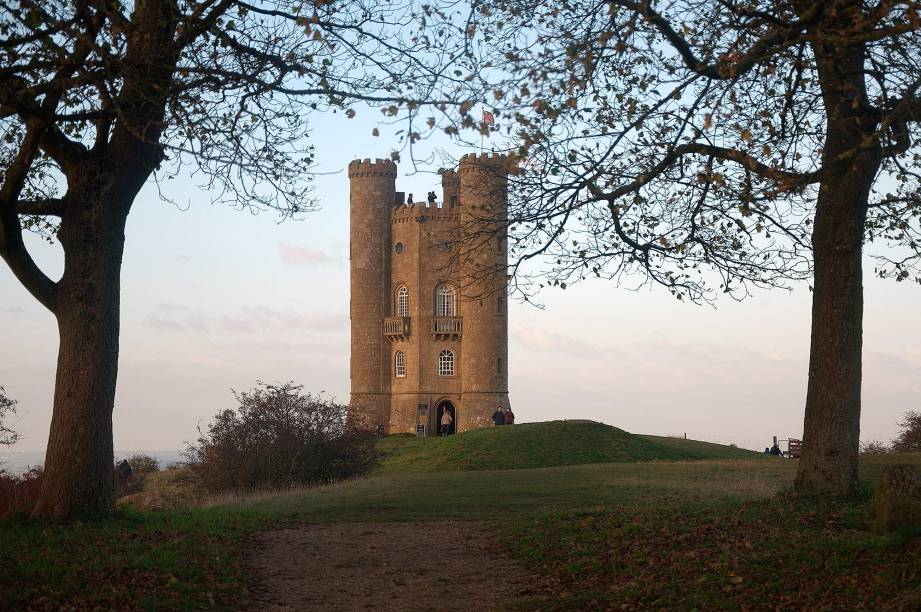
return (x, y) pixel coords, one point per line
(831, 427)
(79, 474)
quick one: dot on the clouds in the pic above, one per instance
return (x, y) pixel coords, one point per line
(536, 340)
(168, 316)
(300, 256)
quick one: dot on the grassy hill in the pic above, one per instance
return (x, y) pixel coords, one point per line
(539, 445)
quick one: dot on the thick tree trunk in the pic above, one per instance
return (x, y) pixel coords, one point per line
(851, 159)
(79, 478)
(832, 421)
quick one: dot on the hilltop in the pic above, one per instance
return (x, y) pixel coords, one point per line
(539, 445)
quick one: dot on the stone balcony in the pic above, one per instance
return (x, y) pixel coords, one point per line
(396, 327)
(447, 327)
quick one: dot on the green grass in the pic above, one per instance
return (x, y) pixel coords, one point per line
(541, 445)
(648, 534)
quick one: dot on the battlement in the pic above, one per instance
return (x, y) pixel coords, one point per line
(422, 210)
(483, 161)
(378, 167)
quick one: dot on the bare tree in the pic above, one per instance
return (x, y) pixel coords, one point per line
(7, 409)
(714, 146)
(98, 96)
(909, 438)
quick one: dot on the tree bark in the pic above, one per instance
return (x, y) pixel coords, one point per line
(851, 159)
(79, 462)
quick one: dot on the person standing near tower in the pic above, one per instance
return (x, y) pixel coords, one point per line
(446, 421)
(498, 417)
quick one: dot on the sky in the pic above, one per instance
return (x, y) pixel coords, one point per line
(215, 299)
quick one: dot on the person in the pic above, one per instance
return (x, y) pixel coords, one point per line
(409, 200)
(446, 421)
(775, 450)
(432, 198)
(767, 451)
(124, 469)
(498, 417)
(509, 416)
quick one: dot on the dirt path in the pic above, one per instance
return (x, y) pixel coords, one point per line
(386, 566)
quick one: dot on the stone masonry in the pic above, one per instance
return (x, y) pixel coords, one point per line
(428, 297)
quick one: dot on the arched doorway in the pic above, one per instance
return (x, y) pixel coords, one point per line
(446, 406)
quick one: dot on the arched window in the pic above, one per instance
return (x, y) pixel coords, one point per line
(399, 364)
(444, 302)
(446, 363)
(403, 302)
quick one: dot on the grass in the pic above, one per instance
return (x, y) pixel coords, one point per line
(541, 445)
(647, 534)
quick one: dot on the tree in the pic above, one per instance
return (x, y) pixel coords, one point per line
(97, 96)
(909, 438)
(7, 409)
(763, 141)
(280, 436)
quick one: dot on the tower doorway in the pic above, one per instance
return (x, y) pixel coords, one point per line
(446, 406)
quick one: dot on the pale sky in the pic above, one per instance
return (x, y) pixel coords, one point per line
(214, 299)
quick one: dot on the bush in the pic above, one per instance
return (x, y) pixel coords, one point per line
(909, 438)
(19, 493)
(279, 436)
(142, 464)
(7, 408)
(874, 447)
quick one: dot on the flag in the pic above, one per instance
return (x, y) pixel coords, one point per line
(488, 119)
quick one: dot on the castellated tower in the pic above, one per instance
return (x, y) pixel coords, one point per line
(372, 195)
(428, 303)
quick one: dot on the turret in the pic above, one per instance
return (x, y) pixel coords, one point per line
(483, 197)
(372, 194)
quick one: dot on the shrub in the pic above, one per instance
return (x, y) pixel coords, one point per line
(7, 408)
(874, 447)
(909, 438)
(142, 464)
(279, 436)
(19, 493)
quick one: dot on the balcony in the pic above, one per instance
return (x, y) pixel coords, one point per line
(396, 327)
(447, 327)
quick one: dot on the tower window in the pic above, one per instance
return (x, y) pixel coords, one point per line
(446, 363)
(403, 302)
(445, 302)
(500, 305)
(398, 248)
(499, 365)
(399, 364)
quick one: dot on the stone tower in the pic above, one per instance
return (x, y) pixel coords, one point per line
(428, 298)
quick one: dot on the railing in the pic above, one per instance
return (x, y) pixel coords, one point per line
(396, 326)
(447, 326)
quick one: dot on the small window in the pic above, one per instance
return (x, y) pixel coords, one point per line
(399, 364)
(398, 248)
(446, 363)
(445, 246)
(403, 302)
(444, 302)
(499, 365)
(500, 305)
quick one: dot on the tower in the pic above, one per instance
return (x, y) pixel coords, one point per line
(483, 263)
(371, 186)
(428, 312)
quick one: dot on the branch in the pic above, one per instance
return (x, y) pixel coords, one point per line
(12, 248)
(51, 207)
(780, 36)
(784, 178)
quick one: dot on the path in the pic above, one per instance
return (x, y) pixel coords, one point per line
(446, 565)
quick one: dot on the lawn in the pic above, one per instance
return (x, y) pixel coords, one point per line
(539, 445)
(711, 533)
